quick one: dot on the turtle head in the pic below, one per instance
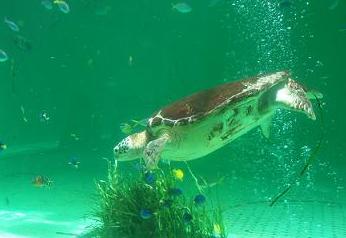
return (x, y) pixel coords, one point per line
(131, 147)
(296, 97)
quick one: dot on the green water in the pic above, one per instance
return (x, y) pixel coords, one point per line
(107, 62)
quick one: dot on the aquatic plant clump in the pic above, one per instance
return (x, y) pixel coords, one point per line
(152, 208)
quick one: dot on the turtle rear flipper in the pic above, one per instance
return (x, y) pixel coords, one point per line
(293, 96)
(152, 151)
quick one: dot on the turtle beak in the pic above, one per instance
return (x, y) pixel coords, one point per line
(125, 150)
(295, 97)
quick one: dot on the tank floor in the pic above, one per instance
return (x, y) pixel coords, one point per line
(288, 220)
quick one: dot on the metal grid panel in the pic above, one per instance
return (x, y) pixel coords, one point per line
(288, 220)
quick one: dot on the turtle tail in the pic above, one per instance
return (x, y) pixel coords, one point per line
(294, 96)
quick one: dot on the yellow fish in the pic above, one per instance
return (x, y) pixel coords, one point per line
(217, 229)
(178, 174)
(41, 181)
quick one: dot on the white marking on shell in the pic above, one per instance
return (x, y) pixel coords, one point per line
(174, 122)
(150, 121)
(268, 79)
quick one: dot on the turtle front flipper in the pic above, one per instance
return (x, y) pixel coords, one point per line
(293, 96)
(152, 151)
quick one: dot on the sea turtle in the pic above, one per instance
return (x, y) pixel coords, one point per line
(208, 120)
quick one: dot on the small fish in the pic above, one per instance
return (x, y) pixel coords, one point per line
(103, 11)
(41, 181)
(75, 136)
(334, 4)
(48, 4)
(44, 116)
(187, 217)
(130, 61)
(343, 28)
(13, 74)
(74, 162)
(178, 174)
(175, 192)
(63, 6)
(145, 214)
(22, 109)
(149, 177)
(3, 56)
(199, 199)
(216, 230)
(182, 7)
(13, 26)
(3, 146)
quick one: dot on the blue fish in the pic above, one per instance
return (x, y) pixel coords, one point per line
(13, 26)
(199, 199)
(3, 56)
(48, 4)
(145, 213)
(74, 162)
(187, 217)
(63, 6)
(175, 192)
(149, 177)
(182, 7)
(44, 116)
